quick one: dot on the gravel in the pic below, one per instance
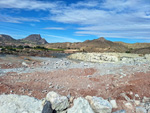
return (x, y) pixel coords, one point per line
(51, 64)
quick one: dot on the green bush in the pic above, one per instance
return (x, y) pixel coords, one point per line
(128, 51)
(40, 48)
(20, 47)
(27, 46)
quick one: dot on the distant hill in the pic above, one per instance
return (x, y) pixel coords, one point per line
(6, 38)
(96, 45)
(35, 39)
(134, 45)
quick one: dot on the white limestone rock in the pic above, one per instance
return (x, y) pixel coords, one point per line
(99, 105)
(59, 103)
(81, 105)
(13, 103)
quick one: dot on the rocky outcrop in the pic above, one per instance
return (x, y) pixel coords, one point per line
(111, 57)
(35, 38)
(95, 57)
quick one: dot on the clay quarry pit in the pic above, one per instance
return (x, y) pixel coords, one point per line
(36, 76)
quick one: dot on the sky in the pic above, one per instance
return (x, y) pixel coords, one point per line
(77, 20)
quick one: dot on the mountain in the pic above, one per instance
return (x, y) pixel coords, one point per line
(134, 45)
(6, 38)
(96, 45)
(35, 39)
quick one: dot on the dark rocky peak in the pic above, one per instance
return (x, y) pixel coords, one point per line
(36, 38)
(101, 39)
(33, 37)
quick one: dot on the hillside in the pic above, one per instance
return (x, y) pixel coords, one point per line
(134, 45)
(6, 38)
(34, 39)
(96, 45)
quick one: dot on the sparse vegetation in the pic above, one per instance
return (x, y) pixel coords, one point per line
(56, 49)
(40, 48)
(128, 51)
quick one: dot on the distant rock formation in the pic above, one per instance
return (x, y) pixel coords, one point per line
(6, 38)
(35, 38)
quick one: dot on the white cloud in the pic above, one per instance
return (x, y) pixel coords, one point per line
(119, 18)
(88, 4)
(54, 28)
(109, 18)
(6, 18)
(26, 4)
(62, 39)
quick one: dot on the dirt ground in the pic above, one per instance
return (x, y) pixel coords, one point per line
(76, 82)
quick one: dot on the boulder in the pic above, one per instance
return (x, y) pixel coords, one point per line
(81, 105)
(47, 108)
(13, 103)
(25, 64)
(140, 110)
(59, 103)
(99, 105)
(113, 103)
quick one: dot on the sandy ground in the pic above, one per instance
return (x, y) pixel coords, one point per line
(74, 81)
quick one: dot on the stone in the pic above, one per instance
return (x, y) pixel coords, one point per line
(13, 103)
(129, 106)
(145, 99)
(25, 64)
(113, 103)
(81, 105)
(140, 110)
(137, 102)
(120, 111)
(99, 105)
(47, 108)
(59, 103)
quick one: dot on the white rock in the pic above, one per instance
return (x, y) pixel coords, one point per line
(113, 103)
(25, 64)
(59, 103)
(81, 105)
(19, 104)
(120, 111)
(140, 110)
(99, 105)
(129, 105)
(137, 102)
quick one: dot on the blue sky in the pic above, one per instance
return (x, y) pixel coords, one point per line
(77, 20)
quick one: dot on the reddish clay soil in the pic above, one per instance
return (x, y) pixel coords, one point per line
(77, 82)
